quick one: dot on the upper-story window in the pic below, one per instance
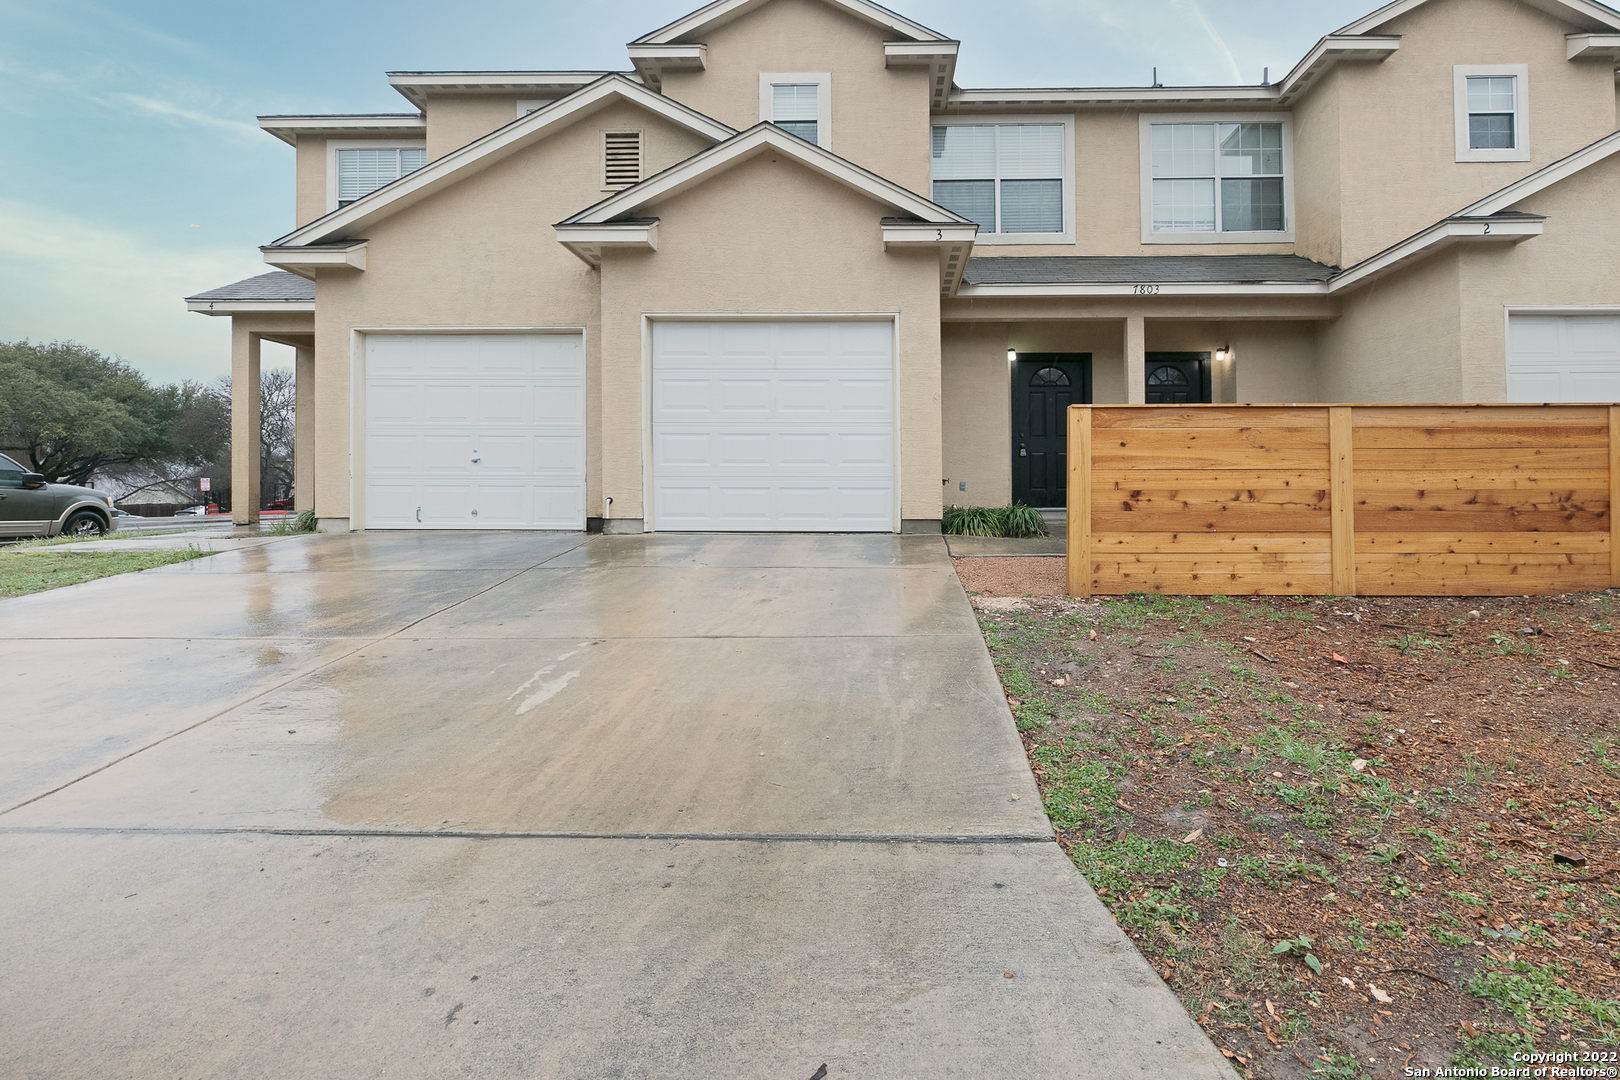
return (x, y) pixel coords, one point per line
(356, 169)
(1216, 181)
(1016, 179)
(1492, 113)
(798, 102)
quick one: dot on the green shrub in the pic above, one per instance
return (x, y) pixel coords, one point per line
(1015, 521)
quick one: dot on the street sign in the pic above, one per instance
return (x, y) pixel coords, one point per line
(204, 483)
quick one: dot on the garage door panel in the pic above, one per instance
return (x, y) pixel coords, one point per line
(1564, 358)
(516, 403)
(775, 426)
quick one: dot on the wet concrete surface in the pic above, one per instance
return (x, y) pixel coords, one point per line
(728, 806)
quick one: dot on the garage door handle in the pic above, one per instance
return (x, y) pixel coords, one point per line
(418, 513)
(476, 460)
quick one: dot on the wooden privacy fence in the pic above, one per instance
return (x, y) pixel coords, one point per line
(1425, 500)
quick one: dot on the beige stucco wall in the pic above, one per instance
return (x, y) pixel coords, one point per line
(480, 253)
(770, 237)
(1572, 264)
(879, 117)
(1317, 163)
(309, 179)
(1397, 340)
(976, 414)
(1398, 125)
(454, 120)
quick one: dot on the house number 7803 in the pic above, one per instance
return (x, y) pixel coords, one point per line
(1147, 290)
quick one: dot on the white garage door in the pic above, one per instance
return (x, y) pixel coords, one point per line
(475, 431)
(1562, 358)
(773, 427)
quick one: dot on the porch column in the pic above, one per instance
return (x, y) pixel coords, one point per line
(246, 432)
(1135, 360)
(303, 429)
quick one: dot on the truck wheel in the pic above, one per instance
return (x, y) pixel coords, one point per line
(85, 524)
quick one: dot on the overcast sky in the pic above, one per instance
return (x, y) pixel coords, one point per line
(133, 172)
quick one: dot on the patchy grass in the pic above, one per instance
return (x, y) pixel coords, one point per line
(1411, 793)
(28, 571)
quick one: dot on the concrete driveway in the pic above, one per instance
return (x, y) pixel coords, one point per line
(540, 805)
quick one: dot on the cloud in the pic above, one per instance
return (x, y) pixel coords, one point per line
(65, 277)
(180, 114)
(1220, 43)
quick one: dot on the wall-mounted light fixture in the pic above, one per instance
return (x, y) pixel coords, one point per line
(1012, 356)
(1224, 353)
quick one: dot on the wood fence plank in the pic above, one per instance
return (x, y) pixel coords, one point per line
(1463, 575)
(1456, 461)
(1498, 520)
(1582, 543)
(1500, 476)
(1471, 415)
(1079, 517)
(1614, 496)
(1343, 502)
(1310, 480)
(1514, 436)
(1231, 519)
(1170, 500)
(1171, 418)
(1483, 500)
(1111, 544)
(1137, 442)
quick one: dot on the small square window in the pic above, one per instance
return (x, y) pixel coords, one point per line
(798, 103)
(1491, 113)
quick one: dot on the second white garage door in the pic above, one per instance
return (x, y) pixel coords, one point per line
(1564, 358)
(773, 427)
(475, 431)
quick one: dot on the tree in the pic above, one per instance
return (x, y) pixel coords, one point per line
(277, 406)
(71, 410)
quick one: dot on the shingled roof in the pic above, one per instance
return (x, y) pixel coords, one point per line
(277, 285)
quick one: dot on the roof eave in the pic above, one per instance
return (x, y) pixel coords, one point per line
(248, 307)
(1504, 229)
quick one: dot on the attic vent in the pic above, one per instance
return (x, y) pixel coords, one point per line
(621, 159)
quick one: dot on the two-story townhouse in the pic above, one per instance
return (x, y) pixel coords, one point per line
(786, 275)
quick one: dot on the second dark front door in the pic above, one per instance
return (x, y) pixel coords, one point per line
(1177, 378)
(1044, 385)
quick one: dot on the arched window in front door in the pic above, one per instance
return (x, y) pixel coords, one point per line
(1049, 376)
(1168, 375)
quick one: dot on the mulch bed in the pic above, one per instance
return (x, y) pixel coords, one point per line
(1419, 796)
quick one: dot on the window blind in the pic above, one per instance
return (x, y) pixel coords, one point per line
(796, 107)
(362, 171)
(1006, 177)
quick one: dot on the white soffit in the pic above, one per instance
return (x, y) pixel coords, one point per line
(1594, 16)
(757, 140)
(416, 85)
(1544, 177)
(360, 125)
(247, 307)
(304, 261)
(1593, 46)
(723, 11)
(938, 58)
(588, 241)
(496, 146)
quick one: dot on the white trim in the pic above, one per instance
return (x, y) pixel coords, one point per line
(1173, 288)
(304, 261)
(723, 11)
(246, 307)
(913, 53)
(414, 86)
(289, 128)
(1520, 151)
(648, 318)
(494, 147)
(1327, 52)
(926, 234)
(822, 81)
(588, 241)
(1593, 46)
(1145, 122)
(1568, 8)
(357, 397)
(1544, 177)
(334, 145)
(1430, 241)
(698, 168)
(1556, 309)
(1070, 204)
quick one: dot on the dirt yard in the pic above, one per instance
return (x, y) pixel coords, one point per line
(1355, 836)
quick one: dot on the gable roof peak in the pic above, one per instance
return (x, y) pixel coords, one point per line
(1585, 14)
(723, 11)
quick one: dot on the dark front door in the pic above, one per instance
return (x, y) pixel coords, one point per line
(1044, 386)
(1177, 378)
